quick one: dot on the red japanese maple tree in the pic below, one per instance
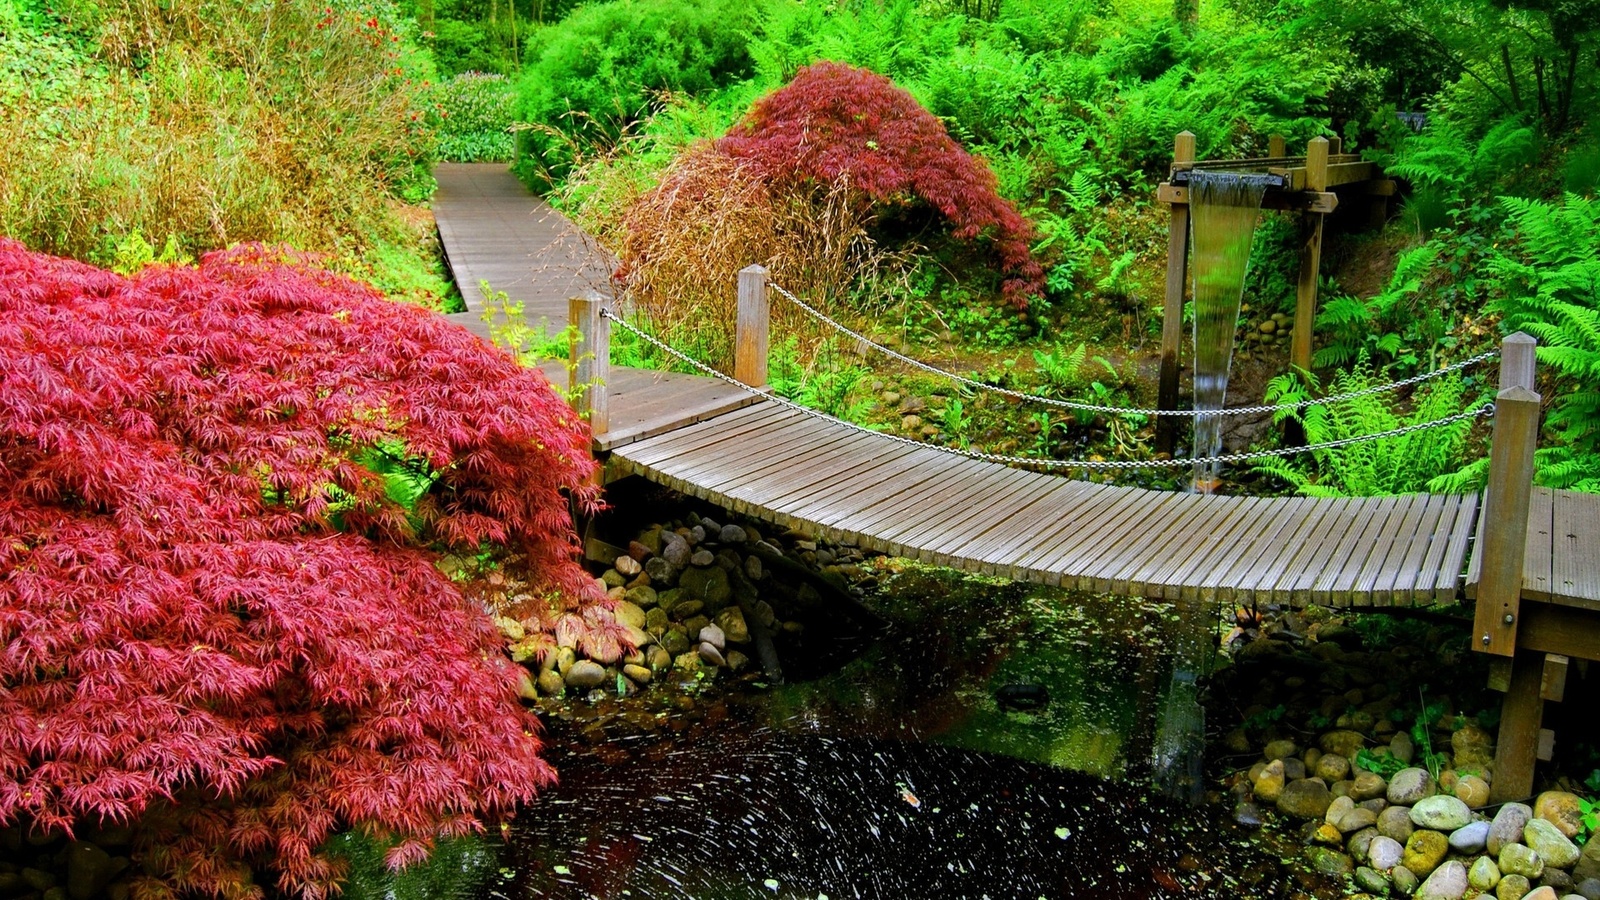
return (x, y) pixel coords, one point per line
(187, 641)
(834, 121)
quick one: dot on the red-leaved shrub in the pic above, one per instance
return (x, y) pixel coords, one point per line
(835, 122)
(187, 642)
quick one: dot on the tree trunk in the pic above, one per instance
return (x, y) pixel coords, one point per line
(1511, 76)
(1187, 14)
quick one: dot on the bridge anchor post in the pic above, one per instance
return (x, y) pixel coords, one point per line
(752, 327)
(590, 350)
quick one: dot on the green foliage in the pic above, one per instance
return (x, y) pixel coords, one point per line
(819, 380)
(1387, 766)
(1396, 465)
(472, 115)
(1548, 284)
(1391, 326)
(454, 868)
(1449, 166)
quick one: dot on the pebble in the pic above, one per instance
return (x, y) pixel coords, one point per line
(1448, 882)
(1395, 822)
(1307, 798)
(1332, 767)
(1547, 840)
(643, 596)
(1541, 893)
(1328, 862)
(731, 534)
(675, 550)
(1472, 747)
(1269, 784)
(1405, 880)
(659, 659)
(1372, 880)
(737, 661)
(1361, 842)
(1484, 874)
(1402, 748)
(1589, 864)
(710, 654)
(1385, 853)
(1512, 887)
(1338, 809)
(1507, 826)
(550, 683)
(753, 568)
(1357, 819)
(1470, 838)
(1589, 888)
(1425, 851)
(1247, 814)
(1367, 785)
(1473, 791)
(714, 636)
(1519, 859)
(702, 558)
(1440, 813)
(1281, 749)
(628, 613)
(1410, 785)
(628, 567)
(1345, 743)
(1561, 809)
(585, 674)
(639, 674)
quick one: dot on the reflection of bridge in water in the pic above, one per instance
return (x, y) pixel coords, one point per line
(1529, 557)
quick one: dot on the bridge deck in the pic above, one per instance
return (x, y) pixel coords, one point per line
(717, 442)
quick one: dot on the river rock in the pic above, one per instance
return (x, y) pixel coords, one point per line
(1410, 785)
(675, 549)
(685, 610)
(731, 534)
(1385, 853)
(1395, 822)
(627, 566)
(550, 683)
(1512, 887)
(655, 619)
(1294, 769)
(1360, 843)
(1327, 834)
(709, 584)
(1337, 809)
(713, 635)
(1367, 786)
(1328, 862)
(586, 674)
(1401, 747)
(711, 655)
(1332, 767)
(1448, 882)
(639, 674)
(1269, 783)
(1520, 859)
(644, 596)
(732, 623)
(1472, 747)
(1372, 880)
(1589, 863)
(737, 661)
(1507, 826)
(1281, 749)
(1473, 791)
(611, 578)
(1440, 813)
(1405, 880)
(702, 558)
(1589, 888)
(89, 869)
(1547, 839)
(628, 613)
(658, 658)
(1357, 819)
(1560, 809)
(1345, 742)
(1544, 892)
(1470, 838)
(1556, 879)
(675, 641)
(661, 571)
(1484, 874)
(1307, 798)
(1424, 851)
(753, 568)
(693, 624)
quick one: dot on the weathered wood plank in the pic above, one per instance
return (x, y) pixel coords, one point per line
(1438, 574)
(1398, 586)
(1369, 550)
(1536, 559)
(1578, 548)
(1160, 529)
(1213, 535)
(1295, 587)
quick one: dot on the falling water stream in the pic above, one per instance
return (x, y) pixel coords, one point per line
(1224, 206)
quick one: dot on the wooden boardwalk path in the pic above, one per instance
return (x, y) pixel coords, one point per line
(715, 441)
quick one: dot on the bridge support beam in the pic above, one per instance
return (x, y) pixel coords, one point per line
(591, 360)
(1172, 306)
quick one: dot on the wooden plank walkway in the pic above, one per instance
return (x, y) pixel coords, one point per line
(720, 443)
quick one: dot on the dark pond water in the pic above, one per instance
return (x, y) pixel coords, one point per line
(991, 743)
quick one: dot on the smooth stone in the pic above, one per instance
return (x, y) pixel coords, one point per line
(675, 641)
(1294, 769)
(1395, 822)
(1440, 813)
(639, 674)
(713, 635)
(1512, 887)
(658, 658)
(737, 661)
(1425, 851)
(732, 623)
(1520, 859)
(586, 674)
(1307, 798)
(1367, 786)
(1588, 866)
(1589, 888)
(711, 655)
(702, 558)
(1472, 748)
(1544, 892)
(1269, 784)
(643, 596)
(1344, 742)
(697, 535)
(550, 683)
(660, 569)
(1340, 807)
(1561, 809)
(89, 867)
(1371, 880)
(1557, 879)
(1332, 767)
(731, 534)
(1507, 826)
(611, 578)
(565, 658)
(628, 613)
(1473, 791)
(1357, 819)
(753, 568)
(1327, 834)
(641, 551)
(1448, 882)
(627, 566)
(693, 624)
(1470, 838)
(687, 609)
(1484, 874)
(1402, 748)
(1360, 843)
(1280, 750)
(1328, 862)
(655, 619)
(1385, 853)
(1410, 785)
(1405, 880)
(1547, 839)
(675, 550)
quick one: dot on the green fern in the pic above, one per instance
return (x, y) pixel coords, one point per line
(1548, 280)
(1389, 325)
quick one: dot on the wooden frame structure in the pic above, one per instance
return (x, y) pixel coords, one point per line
(1310, 185)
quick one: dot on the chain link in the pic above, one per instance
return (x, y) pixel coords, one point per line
(1045, 464)
(1121, 410)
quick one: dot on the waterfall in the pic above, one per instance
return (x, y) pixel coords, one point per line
(1224, 206)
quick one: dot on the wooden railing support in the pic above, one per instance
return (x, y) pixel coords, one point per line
(1305, 308)
(751, 328)
(591, 360)
(1504, 544)
(1172, 307)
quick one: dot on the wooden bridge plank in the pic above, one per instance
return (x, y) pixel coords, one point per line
(840, 510)
(741, 456)
(931, 482)
(1384, 557)
(1354, 545)
(965, 501)
(1121, 561)
(1143, 580)
(778, 465)
(862, 467)
(1576, 573)
(1281, 517)
(1213, 536)
(1034, 492)
(1369, 554)
(1025, 531)
(1079, 507)
(1075, 526)
(1475, 562)
(686, 440)
(1067, 565)
(1260, 580)
(1396, 586)
(1537, 558)
(1453, 550)
(1294, 588)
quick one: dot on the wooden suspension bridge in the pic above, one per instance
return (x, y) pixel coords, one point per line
(1529, 558)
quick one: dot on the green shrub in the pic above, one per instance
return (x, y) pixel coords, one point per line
(472, 114)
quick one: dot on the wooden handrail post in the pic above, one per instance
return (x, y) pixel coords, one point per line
(751, 327)
(1305, 308)
(591, 360)
(1505, 502)
(1172, 307)
(1275, 147)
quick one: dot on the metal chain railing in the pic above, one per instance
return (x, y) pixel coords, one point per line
(1046, 464)
(1123, 410)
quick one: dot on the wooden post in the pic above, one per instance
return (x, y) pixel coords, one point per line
(751, 327)
(1505, 535)
(1305, 309)
(1275, 146)
(1172, 308)
(591, 360)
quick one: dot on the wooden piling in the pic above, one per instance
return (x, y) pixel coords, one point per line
(1305, 310)
(591, 360)
(1276, 149)
(752, 327)
(1172, 309)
